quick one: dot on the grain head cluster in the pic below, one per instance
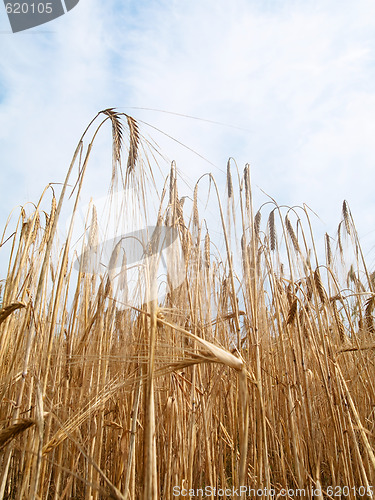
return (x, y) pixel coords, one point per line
(256, 368)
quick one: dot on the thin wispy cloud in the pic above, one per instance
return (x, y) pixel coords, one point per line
(295, 77)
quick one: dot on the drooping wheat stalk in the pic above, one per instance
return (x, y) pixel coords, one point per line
(257, 221)
(291, 233)
(328, 249)
(272, 230)
(117, 132)
(255, 369)
(319, 286)
(229, 181)
(345, 214)
(134, 143)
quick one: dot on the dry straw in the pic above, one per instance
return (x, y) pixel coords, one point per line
(259, 376)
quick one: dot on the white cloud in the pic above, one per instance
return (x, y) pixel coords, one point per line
(295, 76)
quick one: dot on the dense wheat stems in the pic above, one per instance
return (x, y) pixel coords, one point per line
(253, 368)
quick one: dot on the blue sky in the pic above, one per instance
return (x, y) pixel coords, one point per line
(292, 80)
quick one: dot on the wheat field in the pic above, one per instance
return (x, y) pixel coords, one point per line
(257, 370)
